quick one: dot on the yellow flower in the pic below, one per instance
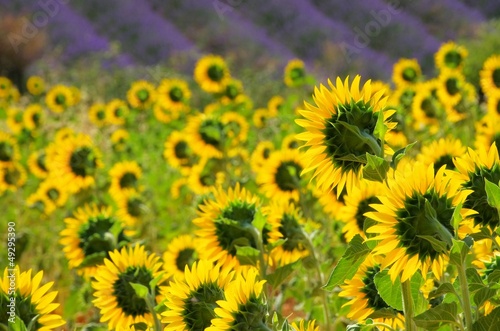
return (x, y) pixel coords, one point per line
(59, 98)
(35, 85)
(117, 111)
(141, 95)
(490, 75)
(295, 73)
(97, 114)
(212, 74)
(450, 56)
(406, 72)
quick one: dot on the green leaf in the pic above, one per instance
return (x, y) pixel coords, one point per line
(247, 255)
(458, 253)
(376, 168)
(140, 326)
(380, 128)
(457, 217)
(443, 289)
(18, 325)
(384, 313)
(93, 259)
(349, 263)
(154, 282)
(259, 220)
(483, 295)
(474, 280)
(434, 318)
(492, 194)
(438, 245)
(279, 275)
(391, 292)
(400, 153)
(494, 277)
(352, 158)
(484, 233)
(273, 245)
(140, 290)
(489, 322)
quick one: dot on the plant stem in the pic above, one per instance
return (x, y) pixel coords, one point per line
(464, 287)
(258, 241)
(408, 306)
(150, 303)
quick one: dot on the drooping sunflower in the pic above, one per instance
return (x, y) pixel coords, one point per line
(206, 135)
(211, 73)
(356, 204)
(441, 152)
(193, 297)
(90, 235)
(473, 169)
(279, 177)
(174, 94)
(9, 151)
(295, 73)
(31, 299)
(236, 127)
(141, 95)
(120, 306)
(244, 306)
(181, 252)
(310, 326)
(117, 111)
(125, 176)
(35, 85)
(205, 175)
(33, 116)
(97, 114)
(75, 160)
(119, 140)
(12, 177)
(54, 189)
(177, 152)
(340, 128)
(226, 220)
(261, 154)
(488, 132)
(364, 296)
(450, 56)
(289, 221)
(406, 72)
(417, 203)
(59, 98)
(490, 75)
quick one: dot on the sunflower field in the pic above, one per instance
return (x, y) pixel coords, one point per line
(200, 203)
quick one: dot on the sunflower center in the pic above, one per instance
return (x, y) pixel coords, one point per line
(288, 176)
(60, 99)
(452, 86)
(127, 300)
(266, 152)
(36, 118)
(134, 206)
(426, 215)
(181, 150)
(101, 114)
(199, 306)
(119, 112)
(292, 232)
(25, 310)
(231, 226)
(176, 94)
(496, 77)
(129, 179)
(486, 215)
(82, 161)
(12, 176)
(364, 207)
(297, 74)
(250, 316)
(53, 194)
(40, 161)
(93, 238)
(410, 75)
(453, 59)
(375, 301)
(447, 160)
(142, 95)
(232, 91)
(215, 73)
(6, 151)
(186, 257)
(211, 132)
(428, 107)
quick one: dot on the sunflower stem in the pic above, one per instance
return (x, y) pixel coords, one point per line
(150, 303)
(408, 306)
(258, 240)
(464, 287)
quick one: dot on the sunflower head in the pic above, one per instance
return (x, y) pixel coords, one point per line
(406, 72)
(212, 74)
(141, 95)
(9, 151)
(450, 56)
(295, 73)
(490, 75)
(35, 85)
(181, 252)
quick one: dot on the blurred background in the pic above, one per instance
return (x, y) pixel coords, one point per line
(333, 37)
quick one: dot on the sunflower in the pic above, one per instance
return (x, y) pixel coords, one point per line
(53, 189)
(12, 177)
(441, 152)
(9, 151)
(90, 235)
(59, 98)
(97, 114)
(63, 133)
(77, 95)
(33, 116)
(174, 94)
(402, 98)
(450, 56)
(115, 297)
(205, 175)
(31, 300)
(119, 140)
(5, 87)
(290, 142)
(279, 177)
(357, 203)
(75, 160)
(417, 203)
(473, 169)
(451, 84)
(231, 91)
(124, 175)
(36, 164)
(260, 117)
(261, 154)
(236, 127)
(340, 128)
(493, 104)
(310, 326)
(406, 72)
(181, 252)
(141, 95)
(244, 306)
(328, 200)
(35, 85)
(225, 221)
(427, 110)
(15, 120)
(490, 75)
(289, 221)
(177, 152)
(275, 104)
(488, 132)
(193, 297)
(163, 112)
(295, 73)
(117, 111)
(365, 298)
(131, 207)
(41, 202)
(396, 138)
(206, 135)
(378, 85)
(212, 74)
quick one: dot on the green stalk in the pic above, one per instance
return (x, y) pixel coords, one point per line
(408, 306)
(464, 287)
(149, 302)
